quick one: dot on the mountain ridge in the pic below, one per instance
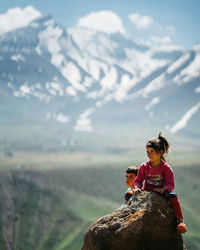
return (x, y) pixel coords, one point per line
(84, 70)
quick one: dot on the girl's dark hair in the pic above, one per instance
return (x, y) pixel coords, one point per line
(159, 144)
(132, 170)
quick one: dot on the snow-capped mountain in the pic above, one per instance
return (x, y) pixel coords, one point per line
(80, 76)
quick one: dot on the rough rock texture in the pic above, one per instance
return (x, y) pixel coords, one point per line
(146, 222)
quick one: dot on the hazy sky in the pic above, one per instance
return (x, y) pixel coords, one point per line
(175, 21)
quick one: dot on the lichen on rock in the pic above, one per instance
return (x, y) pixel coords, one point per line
(145, 222)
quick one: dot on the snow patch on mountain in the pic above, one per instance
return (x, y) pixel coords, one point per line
(123, 88)
(49, 38)
(17, 58)
(143, 63)
(84, 123)
(54, 39)
(152, 103)
(197, 90)
(60, 117)
(184, 120)
(72, 73)
(55, 87)
(192, 70)
(26, 91)
(156, 84)
(88, 81)
(71, 91)
(110, 79)
(178, 63)
(11, 85)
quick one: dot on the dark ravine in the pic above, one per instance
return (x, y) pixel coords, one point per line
(146, 222)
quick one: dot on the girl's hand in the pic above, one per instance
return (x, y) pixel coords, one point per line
(159, 190)
(137, 190)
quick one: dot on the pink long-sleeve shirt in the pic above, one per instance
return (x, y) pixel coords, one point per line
(159, 177)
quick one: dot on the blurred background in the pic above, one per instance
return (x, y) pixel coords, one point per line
(83, 86)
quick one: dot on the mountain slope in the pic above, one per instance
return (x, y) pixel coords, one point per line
(83, 78)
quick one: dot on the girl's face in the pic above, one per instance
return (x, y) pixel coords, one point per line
(153, 155)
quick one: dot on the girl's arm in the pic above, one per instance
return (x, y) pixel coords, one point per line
(168, 178)
(140, 177)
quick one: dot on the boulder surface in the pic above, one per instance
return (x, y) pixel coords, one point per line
(145, 222)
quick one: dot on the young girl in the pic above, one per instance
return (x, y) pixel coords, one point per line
(158, 176)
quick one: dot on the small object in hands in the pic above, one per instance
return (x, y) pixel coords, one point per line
(182, 228)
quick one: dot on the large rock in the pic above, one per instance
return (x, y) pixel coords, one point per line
(146, 222)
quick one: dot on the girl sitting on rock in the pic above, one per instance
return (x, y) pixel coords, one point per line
(158, 176)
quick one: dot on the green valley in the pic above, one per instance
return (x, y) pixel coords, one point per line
(48, 200)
